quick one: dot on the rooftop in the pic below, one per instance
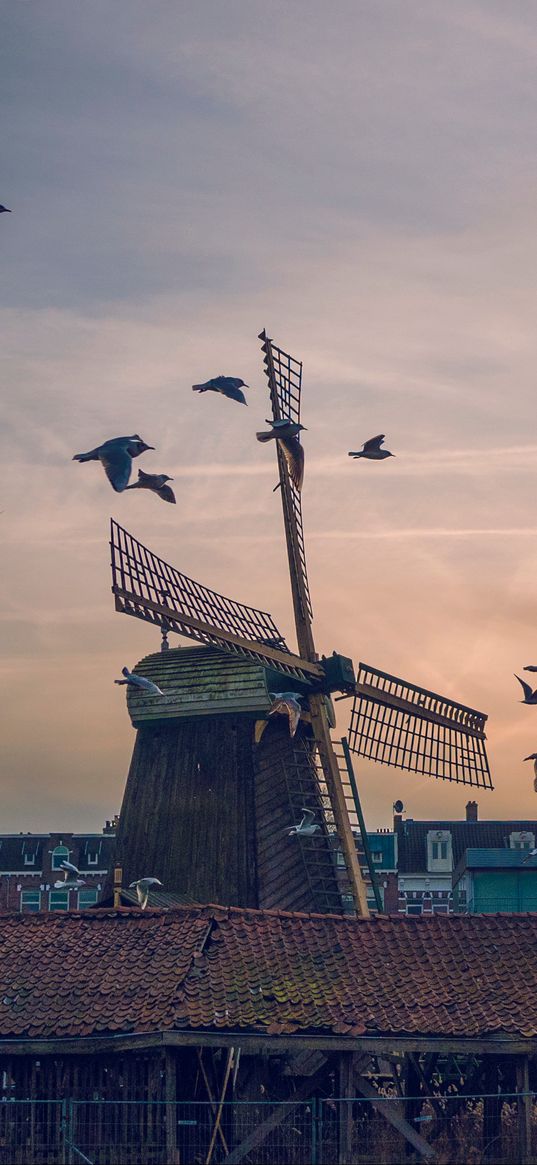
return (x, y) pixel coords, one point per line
(412, 839)
(218, 968)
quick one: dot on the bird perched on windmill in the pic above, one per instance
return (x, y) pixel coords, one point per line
(141, 682)
(142, 887)
(229, 386)
(285, 432)
(72, 879)
(530, 697)
(306, 827)
(116, 458)
(288, 704)
(155, 482)
(371, 450)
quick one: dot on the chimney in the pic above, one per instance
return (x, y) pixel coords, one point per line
(397, 822)
(471, 811)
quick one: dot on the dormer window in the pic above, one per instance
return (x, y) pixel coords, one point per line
(29, 859)
(439, 853)
(93, 859)
(522, 839)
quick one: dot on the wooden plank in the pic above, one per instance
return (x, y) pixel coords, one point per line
(345, 1114)
(394, 1118)
(388, 700)
(524, 1110)
(271, 654)
(256, 1138)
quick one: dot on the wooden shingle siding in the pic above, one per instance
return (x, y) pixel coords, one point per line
(198, 681)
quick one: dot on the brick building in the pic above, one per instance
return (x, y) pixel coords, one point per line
(30, 864)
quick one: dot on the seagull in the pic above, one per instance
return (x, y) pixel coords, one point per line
(142, 887)
(4, 210)
(533, 757)
(286, 432)
(116, 458)
(306, 827)
(288, 704)
(529, 696)
(72, 879)
(155, 482)
(229, 386)
(533, 852)
(531, 667)
(372, 451)
(139, 682)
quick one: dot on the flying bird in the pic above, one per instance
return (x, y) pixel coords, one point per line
(155, 482)
(372, 451)
(4, 210)
(285, 432)
(533, 757)
(288, 704)
(306, 827)
(116, 458)
(139, 682)
(142, 887)
(71, 880)
(533, 852)
(229, 386)
(529, 696)
(531, 667)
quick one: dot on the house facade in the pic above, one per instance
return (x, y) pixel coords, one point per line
(30, 864)
(428, 853)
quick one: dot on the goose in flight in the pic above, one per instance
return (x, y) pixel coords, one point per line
(116, 458)
(306, 827)
(229, 386)
(139, 682)
(372, 451)
(142, 887)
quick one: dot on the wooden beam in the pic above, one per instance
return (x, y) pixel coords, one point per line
(170, 1088)
(388, 700)
(192, 625)
(345, 1114)
(220, 1109)
(258, 1042)
(303, 1092)
(388, 1109)
(524, 1110)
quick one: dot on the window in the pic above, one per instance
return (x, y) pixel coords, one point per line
(440, 908)
(93, 859)
(59, 900)
(59, 855)
(30, 900)
(86, 898)
(29, 859)
(439, 851)
(414, 908)
(377, 856)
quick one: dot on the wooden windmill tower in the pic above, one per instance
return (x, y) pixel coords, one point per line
(208, 795)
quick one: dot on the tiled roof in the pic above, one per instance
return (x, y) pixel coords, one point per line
(412, 839)
(211, 967)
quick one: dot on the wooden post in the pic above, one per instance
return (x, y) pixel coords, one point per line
(492, 1112)
(412, 1105)
(346, 1094)
(170, 1084)
(524, 1109)
(118, 876)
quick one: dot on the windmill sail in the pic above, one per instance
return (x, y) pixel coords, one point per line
(149, 588)
(284, 375)
(397, 723)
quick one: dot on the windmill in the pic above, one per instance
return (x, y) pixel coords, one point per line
(212, 785)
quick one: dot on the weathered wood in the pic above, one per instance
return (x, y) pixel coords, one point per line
(220, 1107)
(395, 1118)
(346, 1094)
(524, 1107)
(188, 815)
(170, 1083)
(303, 1092)
(492, 1113)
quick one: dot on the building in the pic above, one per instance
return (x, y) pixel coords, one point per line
(30, 864)
(428, 853)
(489, 880)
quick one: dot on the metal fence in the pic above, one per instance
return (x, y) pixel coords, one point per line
(452, 1130)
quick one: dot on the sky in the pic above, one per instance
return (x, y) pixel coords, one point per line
(358, 178)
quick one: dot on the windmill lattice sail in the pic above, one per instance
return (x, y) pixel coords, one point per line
(397, 723)
(149, 588)
(284, 375)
